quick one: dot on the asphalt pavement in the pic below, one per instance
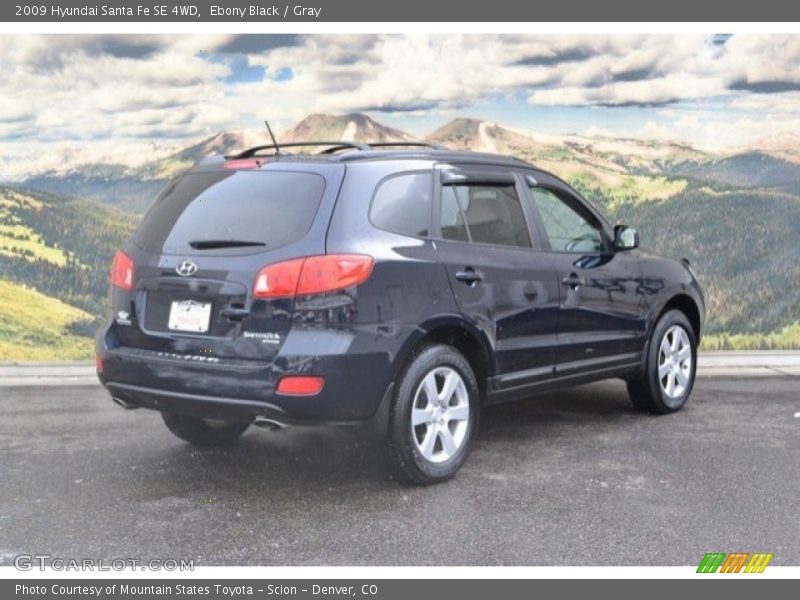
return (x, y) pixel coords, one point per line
(573, 477)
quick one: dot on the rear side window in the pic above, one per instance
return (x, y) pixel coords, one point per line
(484, 214)
(270, 208)
(402, 204)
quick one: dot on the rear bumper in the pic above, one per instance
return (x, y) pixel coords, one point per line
(356, 382)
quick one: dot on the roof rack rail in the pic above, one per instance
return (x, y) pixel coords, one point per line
(406, 145)
(334, 147)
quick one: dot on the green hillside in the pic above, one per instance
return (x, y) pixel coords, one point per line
(61, 248)
(36, 327)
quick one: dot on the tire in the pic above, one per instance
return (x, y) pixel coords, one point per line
(672, 336)
(204, 432)
(434, 449)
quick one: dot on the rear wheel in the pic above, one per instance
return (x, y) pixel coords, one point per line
(434, 416)
(204, 432)
(671, 366)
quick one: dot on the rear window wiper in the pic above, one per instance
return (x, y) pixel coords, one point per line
(212, 244)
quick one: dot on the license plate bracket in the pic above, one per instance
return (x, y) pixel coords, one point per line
(189, 316)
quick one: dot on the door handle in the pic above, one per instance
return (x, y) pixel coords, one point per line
(469, 276)
(573, 281)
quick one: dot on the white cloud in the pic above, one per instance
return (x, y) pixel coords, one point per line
(92, 89)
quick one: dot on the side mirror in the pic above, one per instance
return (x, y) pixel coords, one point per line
(625, 238)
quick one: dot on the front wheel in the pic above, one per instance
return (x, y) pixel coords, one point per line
(434, 416)
(670, 369)
(204, 432)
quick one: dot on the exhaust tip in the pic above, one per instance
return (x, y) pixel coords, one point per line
(267, 423)
(124, 403)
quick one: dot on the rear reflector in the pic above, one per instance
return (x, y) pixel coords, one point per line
(98, 363)
(300, 385)
(312, 275)
(122, 271)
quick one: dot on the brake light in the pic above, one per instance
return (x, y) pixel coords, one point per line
(312, 275)
(300, 385)
(244, 164)
(122, 271)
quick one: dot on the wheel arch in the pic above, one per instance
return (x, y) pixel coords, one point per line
(688, 306)
(460, 335)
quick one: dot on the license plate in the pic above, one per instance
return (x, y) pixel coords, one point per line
(189, 315)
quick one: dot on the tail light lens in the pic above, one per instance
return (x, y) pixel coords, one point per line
(312, 275)
(122, 271)
(98, 363)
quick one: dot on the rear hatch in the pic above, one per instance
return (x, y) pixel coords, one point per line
(199, 249)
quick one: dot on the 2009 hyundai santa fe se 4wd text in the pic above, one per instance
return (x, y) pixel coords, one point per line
(401, 284)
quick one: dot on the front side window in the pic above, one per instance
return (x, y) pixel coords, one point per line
(484, 214)
(402, 204)
(566, 228)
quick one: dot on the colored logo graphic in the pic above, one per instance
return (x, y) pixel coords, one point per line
(736, 562)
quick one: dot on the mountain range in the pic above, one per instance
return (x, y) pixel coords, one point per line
(598, 161)
(734, 214)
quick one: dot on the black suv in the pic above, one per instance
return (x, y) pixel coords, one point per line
(405, 285)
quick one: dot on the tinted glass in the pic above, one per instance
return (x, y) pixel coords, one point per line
(493, 214)
(270, 207)
(566, 228)
(403, 204)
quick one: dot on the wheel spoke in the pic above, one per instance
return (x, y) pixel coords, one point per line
(673, 345)
(448, 442)
(684, 353)
(420, 416)
(458, 413)
(682, 378)
(431, 391)
(664, 370)
(670, 383)
(665, 348)
(428, 442)
(451, 382)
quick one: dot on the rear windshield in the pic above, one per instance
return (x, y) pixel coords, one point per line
(268, 208)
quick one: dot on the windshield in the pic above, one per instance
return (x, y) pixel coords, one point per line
(250, 210)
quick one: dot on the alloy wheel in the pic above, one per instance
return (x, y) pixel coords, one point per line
(440, 414)
(675, 362)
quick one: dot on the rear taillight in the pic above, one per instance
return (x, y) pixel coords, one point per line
(122, 271)
(312, 275)
(98, 363)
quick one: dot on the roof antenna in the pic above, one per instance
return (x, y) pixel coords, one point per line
(274, 141)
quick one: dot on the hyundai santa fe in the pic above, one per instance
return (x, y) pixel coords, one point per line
(400, 284)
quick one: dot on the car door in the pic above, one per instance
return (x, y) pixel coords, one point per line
(501, 281)
(601, 316)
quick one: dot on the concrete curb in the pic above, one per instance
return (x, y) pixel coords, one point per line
(710, 364)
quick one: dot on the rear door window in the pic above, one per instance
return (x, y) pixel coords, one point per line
(484, 214)
(268, 208)
(402, 204)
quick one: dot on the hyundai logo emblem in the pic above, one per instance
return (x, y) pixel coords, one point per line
(186, 269)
